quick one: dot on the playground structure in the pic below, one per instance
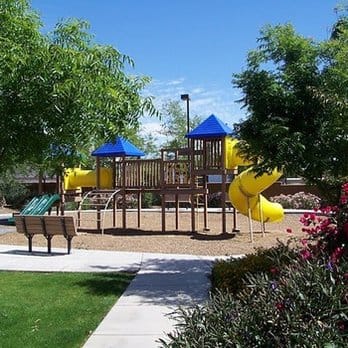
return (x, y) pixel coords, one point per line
(178, 173)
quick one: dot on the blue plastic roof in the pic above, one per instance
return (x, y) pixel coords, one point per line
(210, 128)
(120, 148)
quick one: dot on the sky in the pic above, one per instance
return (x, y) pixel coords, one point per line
(190, 46)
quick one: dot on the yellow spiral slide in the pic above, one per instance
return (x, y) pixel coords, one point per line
(245, 189)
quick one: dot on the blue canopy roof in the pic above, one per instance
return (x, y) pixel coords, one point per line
(212, 127)
(120, 148)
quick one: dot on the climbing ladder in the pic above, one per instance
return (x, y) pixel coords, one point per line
(97, 200)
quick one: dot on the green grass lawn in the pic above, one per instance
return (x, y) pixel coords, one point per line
(55, 309)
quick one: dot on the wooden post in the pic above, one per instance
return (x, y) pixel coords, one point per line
(205, 186)
(177, 211)
(40, 186)
(139, 208)
(114, 212)
(261, 216)
(250, 224)
(193, 215)
(114, 188)
(191, 157)
(124, 201)
(223, 184)
(205, 203)
(235, 229)
(163, 196)
(98, 187)
(60, 190)
(163, 212)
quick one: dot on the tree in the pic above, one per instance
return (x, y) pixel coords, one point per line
(20, 55)
(174, 124)
(61, 93)
(295, 92)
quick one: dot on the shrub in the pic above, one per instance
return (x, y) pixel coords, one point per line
(131, 202)
(214, 200)
(304, 305)
(2, 201)
(299, 200)
(70, 205)
(327, 233)
(229, 275)
(150, 199)
(12, 192)
(300, 301)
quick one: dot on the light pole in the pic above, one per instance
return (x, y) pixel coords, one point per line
(187, 98)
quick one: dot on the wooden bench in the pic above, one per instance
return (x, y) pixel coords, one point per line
(48, 226)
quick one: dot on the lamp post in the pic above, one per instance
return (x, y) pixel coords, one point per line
(186, 97)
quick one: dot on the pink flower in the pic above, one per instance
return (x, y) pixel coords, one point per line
(345, 230)
(344, 199)
(280, 306)
(289, 230)
(305, 254)
(274, 270)
(312, 216)
(304, 242)
(337, 253)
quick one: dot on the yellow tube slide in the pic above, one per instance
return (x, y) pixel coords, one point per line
(75, 178)
(245, 189)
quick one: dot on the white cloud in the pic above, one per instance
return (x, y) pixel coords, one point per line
(197, 90)
(176, 82)
(204, 101)
(149, 126)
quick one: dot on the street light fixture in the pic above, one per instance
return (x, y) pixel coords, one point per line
(186, 97)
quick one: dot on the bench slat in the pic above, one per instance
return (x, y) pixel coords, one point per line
(19, 224)
(48, 226)
(54, 225)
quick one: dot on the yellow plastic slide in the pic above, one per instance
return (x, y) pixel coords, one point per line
(245, 189)
(75, 178)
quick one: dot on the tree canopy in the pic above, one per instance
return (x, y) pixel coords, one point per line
(174, 124)
(60, 93)
(295, 91)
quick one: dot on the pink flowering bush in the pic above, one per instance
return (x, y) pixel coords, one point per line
(301, 300)
(327, 230)
(301, 304)
(299, 200)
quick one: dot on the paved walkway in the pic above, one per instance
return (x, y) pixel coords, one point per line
(141, 316)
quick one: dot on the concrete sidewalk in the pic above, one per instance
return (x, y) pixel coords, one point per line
(142, 314)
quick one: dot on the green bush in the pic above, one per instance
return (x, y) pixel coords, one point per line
(214, 200)
(304, 305)
(12, 192)
(70, 205)
(229, 275)
(149, 199)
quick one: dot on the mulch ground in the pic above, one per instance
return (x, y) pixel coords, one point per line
(150, 238)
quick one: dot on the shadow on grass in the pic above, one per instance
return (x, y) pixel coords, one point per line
(107, 283)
